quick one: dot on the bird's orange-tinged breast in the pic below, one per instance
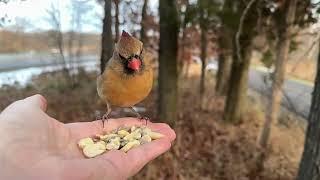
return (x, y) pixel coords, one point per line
(124, 90)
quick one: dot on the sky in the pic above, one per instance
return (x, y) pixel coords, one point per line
(33, 14)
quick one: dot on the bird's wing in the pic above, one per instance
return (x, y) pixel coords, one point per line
(100, 87)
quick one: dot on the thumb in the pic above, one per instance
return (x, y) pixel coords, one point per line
(37, 101)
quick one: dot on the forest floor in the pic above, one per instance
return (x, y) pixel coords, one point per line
(206, 147)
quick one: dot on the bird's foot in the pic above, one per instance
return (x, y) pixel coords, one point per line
(103, 119)
(141, 118)
(144, 118)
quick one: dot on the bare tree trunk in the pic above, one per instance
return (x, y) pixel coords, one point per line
(107, 42)
(276, 95)
(225, 61)
(168, 49)
(59, 41)
(242, 51)
(61, 47)
(117, 23)
(309, 165)
(182, 46)
(70, 45)
(203, 57)
(70, 54)
(223, 74)
(65, 69)
(203, 49)
(236, 98)
(182, 53)
(54, 20)
(80, 44)
(143, 35)
(283, 46)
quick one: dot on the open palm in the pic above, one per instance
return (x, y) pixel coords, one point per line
(34, 145)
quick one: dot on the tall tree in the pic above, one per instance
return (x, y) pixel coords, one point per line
(225, 52)
(203, 47)
(168, 73)
(185, 14)
(143, 35)
(237, 92)
(116, 22)
(243, 18)
(79, 16)
(54, 19)
(207, 19)
(309, 165)
(107, 42)
(284, 20)
(224, 63)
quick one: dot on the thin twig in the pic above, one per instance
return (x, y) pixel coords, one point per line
(306, 53)
(239, 32)
(290, 104)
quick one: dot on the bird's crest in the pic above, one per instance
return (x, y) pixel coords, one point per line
(128, 45)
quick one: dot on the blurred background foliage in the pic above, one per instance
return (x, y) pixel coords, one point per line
(233, 78)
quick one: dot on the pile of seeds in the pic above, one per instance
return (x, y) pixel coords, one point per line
(123, 138)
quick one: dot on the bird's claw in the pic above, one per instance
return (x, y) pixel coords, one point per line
(144, 118)
(103, 119)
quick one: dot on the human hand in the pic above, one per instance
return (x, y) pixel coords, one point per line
(34, 145)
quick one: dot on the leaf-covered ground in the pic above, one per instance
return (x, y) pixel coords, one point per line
(206, 147)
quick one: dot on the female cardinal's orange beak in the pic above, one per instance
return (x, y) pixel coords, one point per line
(134, 64)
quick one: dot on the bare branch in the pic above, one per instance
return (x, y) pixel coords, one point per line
(290, 104)
(54, 19)
(315, 42)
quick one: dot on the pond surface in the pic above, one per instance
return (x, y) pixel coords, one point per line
(16, 68)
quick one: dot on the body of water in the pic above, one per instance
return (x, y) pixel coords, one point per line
(23, 76)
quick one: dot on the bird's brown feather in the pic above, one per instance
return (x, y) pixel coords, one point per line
(118, 88)
(124, 90)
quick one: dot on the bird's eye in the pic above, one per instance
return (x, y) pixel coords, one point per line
(140, 55)
(122, 57)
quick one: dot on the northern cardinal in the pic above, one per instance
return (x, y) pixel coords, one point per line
(128, 76)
